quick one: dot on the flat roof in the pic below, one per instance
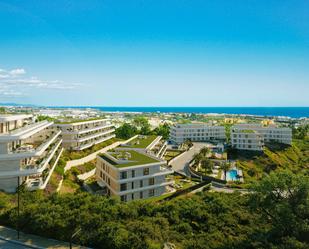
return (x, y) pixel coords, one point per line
(127, 158)
(13, 117)
(140, 142)
(79, 121)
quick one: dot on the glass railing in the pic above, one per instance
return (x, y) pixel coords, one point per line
(32, 147)
(40, 162)
(27, 127)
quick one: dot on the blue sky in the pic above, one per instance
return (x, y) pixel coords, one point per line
(155, 53)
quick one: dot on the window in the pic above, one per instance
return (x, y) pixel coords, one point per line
(141, 195)
(132, 196)
(123, 198)
(123, 175)
(151, 181)
(133, 173)
(146, 171)
(132, 185)
(101, 174)
(141, 183)
(108, 181)
(151, 192)
(123, 187)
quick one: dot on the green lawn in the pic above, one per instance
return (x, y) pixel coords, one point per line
(72, 121)
(170, 154)
(136, 158)
(73, 155)
(142, 143)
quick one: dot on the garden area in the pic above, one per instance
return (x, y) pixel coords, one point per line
(170, 154)
(74, 155)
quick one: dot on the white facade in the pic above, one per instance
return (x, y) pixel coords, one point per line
(136, 181)
(196, 132)
(82, 135)
(28, 151)
(254, 136)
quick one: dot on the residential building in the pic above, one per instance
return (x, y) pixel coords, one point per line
(80, 135)
(254, 136)
(29, 151)
(131, 173)
(196, 132)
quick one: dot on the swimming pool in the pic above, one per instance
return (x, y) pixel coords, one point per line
(231, 175)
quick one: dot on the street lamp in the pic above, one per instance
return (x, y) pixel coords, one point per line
(18, 206)
(73, 235)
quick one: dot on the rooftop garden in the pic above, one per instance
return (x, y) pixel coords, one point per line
(126, 158)
(247, 131)
(141, 142)
(72, 121)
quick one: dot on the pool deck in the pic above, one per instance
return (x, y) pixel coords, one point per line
(228, 179)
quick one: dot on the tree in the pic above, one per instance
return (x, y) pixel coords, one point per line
(142, 125)
(163, 130)
(225, 167)
(283, 199)
(205, 151)
(126, 131)
(206, 164)
(197, 158)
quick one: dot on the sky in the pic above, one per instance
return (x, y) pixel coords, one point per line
(154, 52)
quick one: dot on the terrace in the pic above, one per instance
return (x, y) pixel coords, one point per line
(141, 142)
(127, 158)
(73, 121)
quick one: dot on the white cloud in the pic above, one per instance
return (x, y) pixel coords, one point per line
(11, 80)
(17, 71)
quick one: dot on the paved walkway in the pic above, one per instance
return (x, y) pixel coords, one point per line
(180, 164)
(8, 240)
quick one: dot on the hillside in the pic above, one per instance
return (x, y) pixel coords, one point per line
(274, 158)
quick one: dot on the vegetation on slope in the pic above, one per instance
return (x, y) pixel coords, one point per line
(276, 157)
(275, 215)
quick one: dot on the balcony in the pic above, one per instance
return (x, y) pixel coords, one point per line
(25, 132)
(30, 149)
(40, 181)
(82, 131)
(35, 166)
(91, 143)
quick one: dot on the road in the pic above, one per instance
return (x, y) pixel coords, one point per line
(180, 164)
(9, 245)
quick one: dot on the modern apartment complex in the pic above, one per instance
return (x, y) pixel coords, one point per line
(254, 136)
(196, 132)
(29, 151)
(132, 171)
(80, 135)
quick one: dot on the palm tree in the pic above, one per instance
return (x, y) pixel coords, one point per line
(205, 151)
(225, 167)
(197, 157)
(206, 164)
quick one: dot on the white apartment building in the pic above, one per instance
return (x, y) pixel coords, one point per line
(29, 152)
(131, 173)
(254, 136)
(196, 132)
(80, 135)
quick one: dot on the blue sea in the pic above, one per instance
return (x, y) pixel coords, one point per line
(293, 112)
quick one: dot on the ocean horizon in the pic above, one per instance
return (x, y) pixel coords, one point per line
(293, 112)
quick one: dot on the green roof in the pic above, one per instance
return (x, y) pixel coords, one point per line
(135, 159)
(72, 121)
(247, 131)
(141, 142)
